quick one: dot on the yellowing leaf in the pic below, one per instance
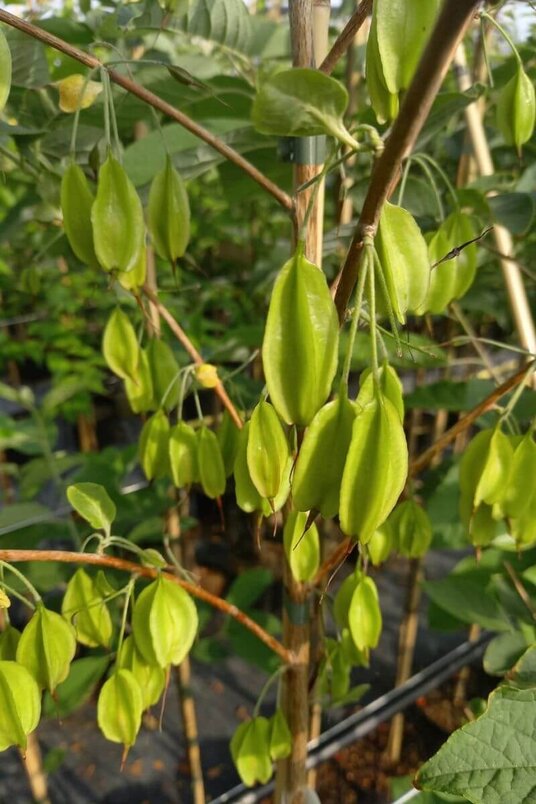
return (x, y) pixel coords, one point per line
(5, 602)
(76, 92)
(206, 375)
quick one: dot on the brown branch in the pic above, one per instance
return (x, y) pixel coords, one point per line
(181, 336)
(67, 557)
(453, 20)
(425, 458)
(346, 36)
(153, 100)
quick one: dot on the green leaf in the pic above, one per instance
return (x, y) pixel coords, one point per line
(83, 605)
(503, 652)
(464, 597)
(302, 103)
(92, 502)
(249, 586)
(120, 708)
(20, 704)
(227, 22)
(77, 688)
(492, 759)
(46, 648)
(524, 673)
(515, 211)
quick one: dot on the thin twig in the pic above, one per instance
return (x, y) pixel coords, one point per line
(181, 335)
(452, 22)
(153, 100)
(69, 557)
(520, 589)
(425, 458)
(346, 36)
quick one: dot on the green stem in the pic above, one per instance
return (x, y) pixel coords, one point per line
(13, 592)
(365, 267)
(275, 675)
(33, 591)
(430, 176)
(128, 595)
(403, 182)
(439, 170)
(372, 306)
(378, 272)
(198, 406)
(106, 87)
(512, 402)
(504, 34)
(72, 146)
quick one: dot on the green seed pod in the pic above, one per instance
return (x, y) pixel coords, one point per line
(302, 548)
(280, 736)
(120, 346)
(353, 656)
(390, 387)
(9, 639)
(403, 255)
(84, 607)
(47, 647)
(150, 677)
(493, 481)
(164, 623)
(364, 615)
(412, 529)
(139, 392)
(375, 471)
(165, 374)
(267, 451)
(452, 278)
(384, 103)
(228, 436)
(20, 704)
(120, 707)
(248, 498)
(5, 70)
(117, 219)
(339, 670)
(300, 346)
(183, 455)
(477, 517)
(168, 214)
(250, 750)
(381, 543)
(135, 279)
(523, 528)
(76, 202)
(341, 604)
(154, 446)
(516, 109)
(210, 462)
(521, 486)
(325, 444)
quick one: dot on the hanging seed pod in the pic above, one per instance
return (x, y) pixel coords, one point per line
(384, 103)
(300, 346)
(150, 677)
(390, 387)
(451, 279)
(493, 481)
(516, 109)
(353, 656)
(267, 451)
(183, 448)
(412, 529)
(164, 623)
(341, 604)
(521, 485)
(165, 374)
(154, 446)
(280, 736)
(250, 750)
(135, 279)
(477, 518)
(403, 255)
(248, 498)
(120, 346)
(364, 615)
(140, 392)
(120, 707)
(76, 202)
(117, 219)
(168, 214)
(339, 672)
(9, 640)
(5, 70)
(302, 548)
(210, 463)
(382, 543)
(523, 528)
(47, 647)
(326, 443)
(20, 704)
(228, 437)
(375, 471)
(84, 607)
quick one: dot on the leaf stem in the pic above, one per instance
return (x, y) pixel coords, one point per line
(504, 34)
(30, 587)
(365, 268)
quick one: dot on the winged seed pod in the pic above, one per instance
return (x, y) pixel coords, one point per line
(120, 707)
(140, 392)
(384, 103)
(452, 278)
(390, 387)
(302, 547)
(381, 543)
(76, 200)
(364, 615)
(492, 484)
(5, 70)
(300, 346)
(210, 463)
(228, 436)
(135, 278)
(117, 219)
(280, 736)
(326, 443)
(375, 471)
(150, 677)
(120, 346)
(521, 486)
(164, 373)
(403, 254)
(9, 640)
(20, 704)
(154, 446)
(267, 451)
(47, 647)
(164, 623)
(477, 516)
(250, 750)
(516, 109)
(248, 498)
(168, 214)
(84, 607)
(183, 455)
(412, 529)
